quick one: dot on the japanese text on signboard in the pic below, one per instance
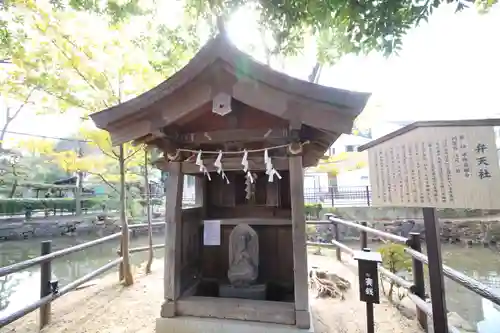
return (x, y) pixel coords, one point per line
(447, 167)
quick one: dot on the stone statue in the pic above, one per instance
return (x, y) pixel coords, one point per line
(243, 256)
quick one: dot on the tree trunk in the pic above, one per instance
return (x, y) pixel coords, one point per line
(315, 73)
(13, 189)
(79, 188)
(10, 116)
(391, 290)
(128, 279)
(2, 134)
(15, 183)
(148, 207)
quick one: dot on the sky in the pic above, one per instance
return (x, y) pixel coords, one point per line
(448, 69)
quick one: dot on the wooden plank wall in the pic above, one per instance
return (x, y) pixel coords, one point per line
(192, 238)
(228, 200)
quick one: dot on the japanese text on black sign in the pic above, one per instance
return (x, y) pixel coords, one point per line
(368, 285)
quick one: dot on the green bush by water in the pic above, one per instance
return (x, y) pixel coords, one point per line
(22, 206)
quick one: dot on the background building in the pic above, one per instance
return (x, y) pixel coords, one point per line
(344, 172)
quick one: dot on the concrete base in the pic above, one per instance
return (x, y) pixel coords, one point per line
(208, 325)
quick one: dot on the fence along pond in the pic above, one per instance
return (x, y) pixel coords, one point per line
(416, 288)
(49, 289)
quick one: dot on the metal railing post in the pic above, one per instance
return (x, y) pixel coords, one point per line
(368, 196)
(337, 238)
(364, 236)
(45, 288)
(336, 235)
(121, 267)
(332, 192)
(418, 287)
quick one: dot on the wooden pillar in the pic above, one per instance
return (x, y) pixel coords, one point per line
(173, 212)
(200, 193)
(302, 319)
(436, 276)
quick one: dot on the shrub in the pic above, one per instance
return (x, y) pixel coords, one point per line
(313, 210)
(16, 206)
(396, 260)
(154, 202)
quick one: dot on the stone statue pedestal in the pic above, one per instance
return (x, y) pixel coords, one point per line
(256, 291)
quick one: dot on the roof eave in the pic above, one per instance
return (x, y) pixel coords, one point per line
(349, 103)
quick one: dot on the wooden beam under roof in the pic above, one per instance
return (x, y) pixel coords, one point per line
(228, 163)
(247, 135)
(165, 145)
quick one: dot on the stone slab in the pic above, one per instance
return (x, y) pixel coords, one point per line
(208, 325)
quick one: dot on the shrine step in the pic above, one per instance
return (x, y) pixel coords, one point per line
(208, 325)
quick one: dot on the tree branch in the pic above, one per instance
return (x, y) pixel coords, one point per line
(133, 153)
(106, 153)
(78, 71)
(315, 73)
(10, 117)
(117, 156)
(65, 37)
(19, 109)
(105, 181)
(2, 135)
(48, 92)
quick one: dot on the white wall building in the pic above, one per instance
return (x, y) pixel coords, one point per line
(354, 178)
(318, 181)
(347, 143)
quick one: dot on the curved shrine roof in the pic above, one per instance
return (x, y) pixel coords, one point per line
(220, 66)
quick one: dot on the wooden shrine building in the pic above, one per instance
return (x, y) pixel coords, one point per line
(247, 133)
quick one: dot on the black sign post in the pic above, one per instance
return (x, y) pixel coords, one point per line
(368, 283)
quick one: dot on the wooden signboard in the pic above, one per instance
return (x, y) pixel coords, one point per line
(436, 166)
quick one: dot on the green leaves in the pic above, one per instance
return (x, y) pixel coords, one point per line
(114, 10)
(80, 61)
(394, 258)
(340, 27)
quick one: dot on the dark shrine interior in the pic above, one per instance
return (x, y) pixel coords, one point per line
(227, 203)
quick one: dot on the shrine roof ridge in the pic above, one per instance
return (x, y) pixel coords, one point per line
(220, 48)
(430, 123)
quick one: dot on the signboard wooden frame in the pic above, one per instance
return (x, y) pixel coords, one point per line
(436, 164)
(452, 164)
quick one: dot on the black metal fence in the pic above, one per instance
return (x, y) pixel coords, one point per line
(338, 196)
(332, 196)
(416, 287)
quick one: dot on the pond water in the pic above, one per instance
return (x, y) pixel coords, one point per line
(19, 289)
(480, 263)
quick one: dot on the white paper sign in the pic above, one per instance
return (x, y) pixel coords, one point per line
(211, 232)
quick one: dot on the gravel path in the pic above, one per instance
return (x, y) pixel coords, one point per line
(107, 307)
